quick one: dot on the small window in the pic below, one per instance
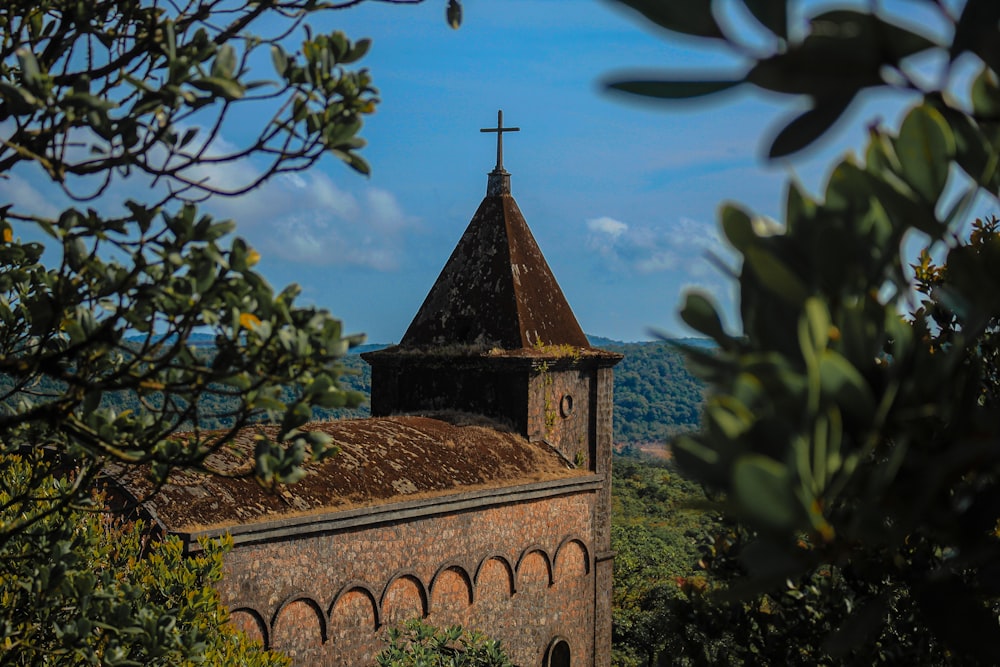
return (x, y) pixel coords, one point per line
(566, 406)
(558, 654)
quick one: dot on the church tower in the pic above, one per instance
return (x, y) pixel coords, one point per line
(495, 336)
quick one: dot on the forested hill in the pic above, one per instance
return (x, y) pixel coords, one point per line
(655, 396)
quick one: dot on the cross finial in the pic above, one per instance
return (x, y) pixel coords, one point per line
(500, 129)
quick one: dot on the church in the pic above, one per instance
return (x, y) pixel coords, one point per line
(478, 493)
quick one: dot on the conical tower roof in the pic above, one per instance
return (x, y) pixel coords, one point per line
(496, 290)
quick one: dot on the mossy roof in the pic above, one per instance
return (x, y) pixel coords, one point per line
(381, 460)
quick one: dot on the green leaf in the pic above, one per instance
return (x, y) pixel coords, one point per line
(818, 319)
(453, 14)
(819, 67)
(925, 147)
(891, 42)
(880, 154)
(859, 626)
(674, 90)
(762, 488)
(904, 205)
(30, 72)
(19, 100)
(976, 31)
(737, 226)
(765, 559)
(775, 275)
(699, 313)
(808, 127)
(225, 88)
(843, 383)
(799, 207)
(986, 95)
(188, 137)
(279, 59)
(772, 14)
(225, 62)
(358, 164)
(361, 48)
(843, 53)
(973, 152)
(690, 18)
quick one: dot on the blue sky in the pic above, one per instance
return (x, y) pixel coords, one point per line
(622, 197)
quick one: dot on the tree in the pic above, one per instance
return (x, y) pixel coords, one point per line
(96, 92)
(80, 587)
(100, 299)
(841, 433)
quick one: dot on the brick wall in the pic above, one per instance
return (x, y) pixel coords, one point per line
(559, 412)
(521, 572)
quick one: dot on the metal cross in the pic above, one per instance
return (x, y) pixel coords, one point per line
(500, 129)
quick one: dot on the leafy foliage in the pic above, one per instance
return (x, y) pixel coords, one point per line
(98, 302)
(843, 437)
(417, 644)
(658, 537)
(161, 270)
(80, 587)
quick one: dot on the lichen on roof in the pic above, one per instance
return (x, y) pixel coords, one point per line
(381, 460)
(496, 290)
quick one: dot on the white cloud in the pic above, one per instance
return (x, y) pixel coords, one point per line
(610, 226)
(26, 198)
(293, 217)
(309, 219)
(306, 218)
(644, 249)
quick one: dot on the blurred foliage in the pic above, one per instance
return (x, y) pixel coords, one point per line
(81, 587)
(417, 644)
(679, 597)
(844, 436)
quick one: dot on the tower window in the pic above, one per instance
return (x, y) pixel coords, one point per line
(566, 406)
(558, 654)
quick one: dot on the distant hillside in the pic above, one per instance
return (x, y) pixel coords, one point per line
(655, 396)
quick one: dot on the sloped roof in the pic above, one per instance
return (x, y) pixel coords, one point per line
(496, 290)
(381, 460)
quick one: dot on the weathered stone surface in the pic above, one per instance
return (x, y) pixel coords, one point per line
(496, 290)
(380, 460)
(527, 568)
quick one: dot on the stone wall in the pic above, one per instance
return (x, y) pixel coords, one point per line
(327, 598)
(560, 409)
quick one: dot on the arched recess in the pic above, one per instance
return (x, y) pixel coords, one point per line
(403, 598)
(558, 653)
(353, 624)
(451, 589)
(250, 622)
(355, 606)
(298, 624)
(572, 559)
(534, 569)
(495, 578)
